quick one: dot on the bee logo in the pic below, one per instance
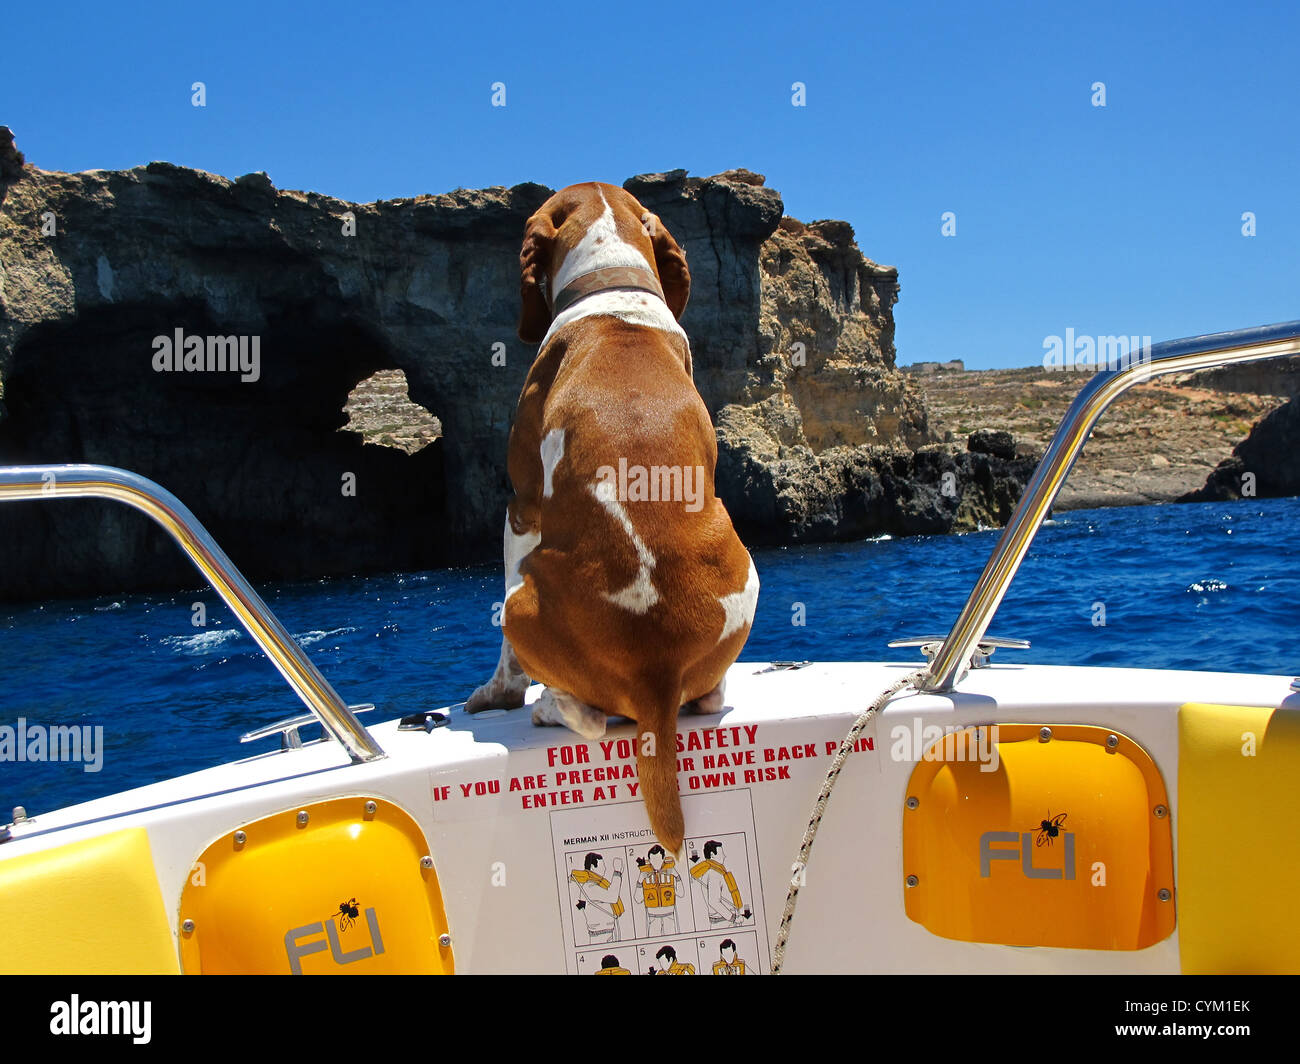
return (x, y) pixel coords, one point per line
(347, 912)
(300, 942)
(1049, 829)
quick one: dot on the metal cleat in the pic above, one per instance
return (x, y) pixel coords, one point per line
(288, 728)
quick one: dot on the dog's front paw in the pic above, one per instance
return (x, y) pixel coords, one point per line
(545, 714)
(494, 696)
(561, 708)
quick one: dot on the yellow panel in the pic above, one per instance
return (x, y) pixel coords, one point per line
(346, 893)
(88, 908)
(1238, 839)
(1063, 843)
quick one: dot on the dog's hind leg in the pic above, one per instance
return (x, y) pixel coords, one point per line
(707, 704)
(509, 683)
(557, 707)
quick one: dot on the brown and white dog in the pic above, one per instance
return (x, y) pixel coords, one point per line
(628, 592)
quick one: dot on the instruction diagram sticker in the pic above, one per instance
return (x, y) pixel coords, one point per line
(731, 954)
(628, 908)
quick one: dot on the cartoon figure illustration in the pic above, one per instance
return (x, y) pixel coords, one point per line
(599, 902)
(730, 964)
(658, 889)
(609, 966)
(669, 965)
(722, 898)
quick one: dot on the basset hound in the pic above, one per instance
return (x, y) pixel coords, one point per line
(628, 592)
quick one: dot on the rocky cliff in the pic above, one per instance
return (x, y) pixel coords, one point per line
(107, 279)
(1276, 376)
(1266, 464)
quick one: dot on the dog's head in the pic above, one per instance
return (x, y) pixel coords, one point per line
(591, 227)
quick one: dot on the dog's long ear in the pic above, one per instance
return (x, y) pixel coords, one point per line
(670, 261)
(534, 264)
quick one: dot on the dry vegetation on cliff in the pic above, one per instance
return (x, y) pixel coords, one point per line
(1158, 442)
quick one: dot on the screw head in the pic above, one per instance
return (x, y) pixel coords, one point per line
(303, 817)
(1164, 894)
(444, 940)
(370, 808)
(912, 881)
(188, 927)
(1161, 812)
(1044, 734)
(913, 801)
(1112, 741)
(240, 838)
(426, 861)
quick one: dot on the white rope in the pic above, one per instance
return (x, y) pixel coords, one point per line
(824, 797)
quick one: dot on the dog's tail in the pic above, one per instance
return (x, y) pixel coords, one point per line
(656, 765)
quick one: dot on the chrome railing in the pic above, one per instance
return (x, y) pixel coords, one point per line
(44, 482)
(1103, 388)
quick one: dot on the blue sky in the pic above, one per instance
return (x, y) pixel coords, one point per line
(1117, 220)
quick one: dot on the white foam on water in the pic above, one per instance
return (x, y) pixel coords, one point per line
(201, 643)
(306, 639)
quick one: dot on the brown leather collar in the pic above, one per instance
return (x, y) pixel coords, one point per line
(640, 278)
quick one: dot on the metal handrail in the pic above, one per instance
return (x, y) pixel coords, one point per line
(41, 482)
(1105, 386)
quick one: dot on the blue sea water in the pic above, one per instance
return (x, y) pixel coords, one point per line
(1206, 586)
